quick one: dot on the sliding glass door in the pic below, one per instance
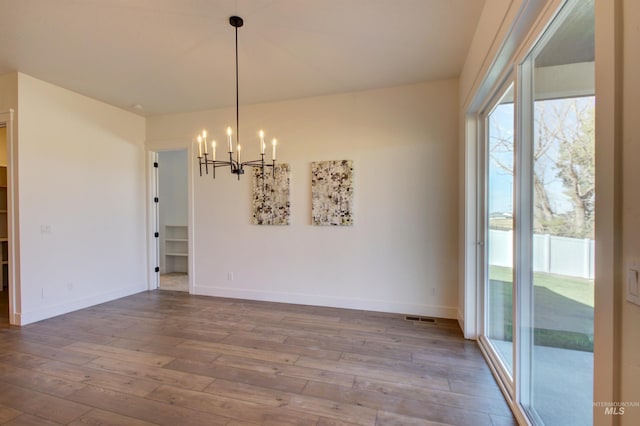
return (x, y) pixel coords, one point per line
(538, 203)
(559, 93)
(499, 155)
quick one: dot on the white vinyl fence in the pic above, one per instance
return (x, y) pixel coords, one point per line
(557, 255)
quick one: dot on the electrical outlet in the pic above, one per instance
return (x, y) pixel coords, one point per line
(45, 229)
(230, 276)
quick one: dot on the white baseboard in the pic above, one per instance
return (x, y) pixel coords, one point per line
(330, 301)
(24, 318)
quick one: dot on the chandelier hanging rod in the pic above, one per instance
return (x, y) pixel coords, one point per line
(237, 22)
(235, 164)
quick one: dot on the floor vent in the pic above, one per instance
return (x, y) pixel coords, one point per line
(420, 319)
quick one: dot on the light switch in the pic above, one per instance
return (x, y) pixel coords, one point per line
(633, 283)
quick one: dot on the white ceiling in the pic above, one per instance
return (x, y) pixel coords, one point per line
(178, 55)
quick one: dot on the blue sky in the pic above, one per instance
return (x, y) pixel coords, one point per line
(501, 124)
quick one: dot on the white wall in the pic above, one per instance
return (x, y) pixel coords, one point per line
(173, 193)
(8, 92)
(82, 201)
(3, 146)
(400, 255)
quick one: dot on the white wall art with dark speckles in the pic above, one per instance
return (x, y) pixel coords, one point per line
(270, 202)
(332, 193)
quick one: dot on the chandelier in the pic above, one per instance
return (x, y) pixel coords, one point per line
(235, 162)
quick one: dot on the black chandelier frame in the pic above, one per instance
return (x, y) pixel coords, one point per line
(235, 165)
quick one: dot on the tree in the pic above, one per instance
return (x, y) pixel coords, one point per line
(565, 151)
(563, 165)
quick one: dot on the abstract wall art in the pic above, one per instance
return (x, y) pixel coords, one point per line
(332, 193)
(270, 202)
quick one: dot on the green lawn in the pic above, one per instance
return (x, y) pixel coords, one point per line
(563, 309)
(573, 288)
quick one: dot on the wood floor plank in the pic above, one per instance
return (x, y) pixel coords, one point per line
(427, 410)
(410, 367)
(293, 331)
(72, 334)
(96, 377)
(387, 374)
(462, 360)
(7, 413)
(22, 360)
(143, 409)
(249, 393)
(167, 350)
(267, 380)
(122, 354)
(28, 335)
(334, 410)
(481, 389)
(394, 419)
(97, 417)
(331, 343)
(254, 337)
(41, 405)
(229, 407)
(29, 420)
(34, 380)
(325, 421)
(418, 393)
(140, 334)
(310, 351)
(304, 373)
(503, 420)
(170, 358)
(151, 373)
(241, 351)
(52, 353)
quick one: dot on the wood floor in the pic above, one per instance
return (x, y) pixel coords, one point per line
(169, 358)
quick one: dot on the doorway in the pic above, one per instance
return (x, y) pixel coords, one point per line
(4, 235)
(172, 220)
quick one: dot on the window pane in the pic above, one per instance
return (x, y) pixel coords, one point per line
(500, 157)
(563, 215)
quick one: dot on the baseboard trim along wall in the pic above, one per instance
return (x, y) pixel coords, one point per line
(24, 318)
(448, 312)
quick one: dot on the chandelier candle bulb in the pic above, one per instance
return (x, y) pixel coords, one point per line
(204, 140)
(239, 149)
(213, 150)
(229, 133)
(273, 154)
(261, 142)
(199, 146)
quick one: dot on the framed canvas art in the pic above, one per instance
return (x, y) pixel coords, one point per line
(332, 193)
(270, 202)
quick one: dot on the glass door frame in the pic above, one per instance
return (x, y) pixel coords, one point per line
(525, 118)
(506, 379)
